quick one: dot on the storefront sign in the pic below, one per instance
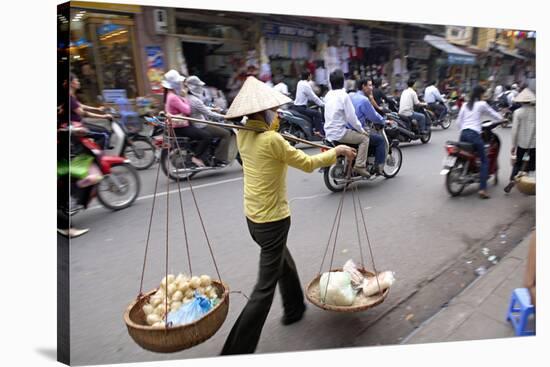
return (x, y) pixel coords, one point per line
(419, 51)
(455, 59)
(271, 29)
(112, 95)
(155, 68)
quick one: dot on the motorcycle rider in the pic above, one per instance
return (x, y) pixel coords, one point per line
(176, 104)
(365, 112)
(469, 122)
(280, 85)
(431, 97)
(200, 111)
(378, 94)
(79, 110)
(305, 94)
(408, 100)
(339, 111)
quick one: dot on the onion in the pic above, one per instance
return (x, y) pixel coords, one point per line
(177, 296)
(155, 301)
(160, 310)
(212, 294)
(205, 280)
(195, 282)
(160, 293)
(171, 289)
(153, 319)
(183, 286)
(148, 309)
(189, 293)
(159, 325)
(171, 279)
(175, 306)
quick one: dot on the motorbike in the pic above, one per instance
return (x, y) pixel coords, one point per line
(407, 129)
(461, 166)
(119, 187)
(130, 142)
(444, 122)
(176, 154)
(506, 112)
(335, 176)
(294, 123)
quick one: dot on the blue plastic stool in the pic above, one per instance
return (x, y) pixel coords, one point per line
(519, 311)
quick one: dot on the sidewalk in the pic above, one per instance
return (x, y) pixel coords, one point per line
(479, 312)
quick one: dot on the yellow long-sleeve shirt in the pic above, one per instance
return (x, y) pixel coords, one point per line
(266, 157)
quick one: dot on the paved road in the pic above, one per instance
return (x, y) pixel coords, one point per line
(414, 226)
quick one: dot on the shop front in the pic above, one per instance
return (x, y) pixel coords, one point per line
(103, 51)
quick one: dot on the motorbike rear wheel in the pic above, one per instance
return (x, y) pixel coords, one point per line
(173, 166)
(120, 188)
(426, 137)
(446, 123)
(330, 181)
(452, 179)
(290, 129)
(141, 153)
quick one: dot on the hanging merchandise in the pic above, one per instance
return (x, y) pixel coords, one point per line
(195, 307)
(363, 37)
(351, 288)
(346, 35)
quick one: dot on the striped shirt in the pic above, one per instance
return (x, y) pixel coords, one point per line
(524, 127)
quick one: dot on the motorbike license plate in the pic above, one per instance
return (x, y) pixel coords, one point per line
(448, 162)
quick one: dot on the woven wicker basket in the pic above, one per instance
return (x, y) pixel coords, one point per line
(361, 303)
(176, 338)
(526, 185)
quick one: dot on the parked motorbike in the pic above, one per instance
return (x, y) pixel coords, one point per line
(294, 123)
(462, 165)
(176, 154)
(119, 187)
(335, 176)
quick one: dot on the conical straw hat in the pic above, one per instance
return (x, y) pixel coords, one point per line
(253, 97)
(525, 96)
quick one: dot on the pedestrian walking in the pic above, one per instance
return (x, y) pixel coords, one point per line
(523, 135)
(266, 156)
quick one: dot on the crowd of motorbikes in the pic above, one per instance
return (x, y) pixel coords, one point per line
(138, 143)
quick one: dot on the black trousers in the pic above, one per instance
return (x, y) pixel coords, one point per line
(200, 135)
(276, 266)
(520, 152)
(315, 116)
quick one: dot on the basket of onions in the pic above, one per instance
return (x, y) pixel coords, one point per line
(146, 317)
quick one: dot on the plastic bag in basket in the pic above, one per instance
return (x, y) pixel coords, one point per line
(370, 284)
(339, 291)
(191, 311)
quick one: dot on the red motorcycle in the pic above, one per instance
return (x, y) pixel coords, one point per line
(462, 165)
(119, 187)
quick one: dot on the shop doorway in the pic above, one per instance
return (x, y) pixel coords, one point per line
(195, 57)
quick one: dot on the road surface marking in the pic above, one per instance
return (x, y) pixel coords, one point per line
(146, 197)
(308, 197)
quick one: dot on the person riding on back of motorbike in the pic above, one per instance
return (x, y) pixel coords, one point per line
(409, 99)
(305, 94)
(469, 122)
(176, 104)
(339, 111)
(378, 95)
(432, 96)
(365, 113)
(200, 111)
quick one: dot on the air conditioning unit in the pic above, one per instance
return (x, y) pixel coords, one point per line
(161, 21)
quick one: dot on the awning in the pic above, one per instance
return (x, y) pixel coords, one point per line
(455, 55)
(506, 52)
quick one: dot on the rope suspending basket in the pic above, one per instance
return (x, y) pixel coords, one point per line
(147, 316)
(317, 293)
